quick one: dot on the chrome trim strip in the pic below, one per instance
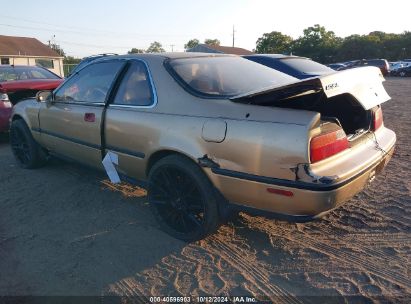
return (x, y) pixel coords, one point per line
(126, 151)
(67, 138)
(80, 103)
(297, 184)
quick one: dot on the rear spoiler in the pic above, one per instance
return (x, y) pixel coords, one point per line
(364, 83)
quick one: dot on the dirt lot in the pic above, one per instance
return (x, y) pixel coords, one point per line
(65, 231)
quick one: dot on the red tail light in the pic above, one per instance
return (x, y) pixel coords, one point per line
(328, 144)
(377, 119)
(4, 97)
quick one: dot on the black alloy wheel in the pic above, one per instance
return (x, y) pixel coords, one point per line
(182, 198)
(25, 149)
(20, 146)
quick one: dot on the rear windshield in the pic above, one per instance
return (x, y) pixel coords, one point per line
(25, 73)
(227, 76)
(307, 66)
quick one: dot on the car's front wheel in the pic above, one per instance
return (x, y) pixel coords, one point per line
(25, 149)
(182, 198)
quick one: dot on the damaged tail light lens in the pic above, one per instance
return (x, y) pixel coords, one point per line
(328, 144)
(377, 121)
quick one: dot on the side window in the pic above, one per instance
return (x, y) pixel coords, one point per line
(91, 84)
(45, 63)
(135, 89)
(5, 60)
(37, 75)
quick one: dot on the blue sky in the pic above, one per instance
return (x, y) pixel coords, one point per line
(89, 27)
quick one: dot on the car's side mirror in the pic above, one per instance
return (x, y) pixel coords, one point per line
(42, 96)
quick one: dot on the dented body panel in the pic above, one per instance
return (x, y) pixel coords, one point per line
(242, 148)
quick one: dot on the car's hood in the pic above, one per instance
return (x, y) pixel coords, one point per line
(365, 84)
(29, 84)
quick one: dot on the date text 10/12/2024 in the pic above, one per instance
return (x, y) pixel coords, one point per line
(202, 299)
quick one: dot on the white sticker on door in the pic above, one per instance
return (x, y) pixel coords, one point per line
(109, 161)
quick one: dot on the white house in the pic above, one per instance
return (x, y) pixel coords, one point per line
(29, 51)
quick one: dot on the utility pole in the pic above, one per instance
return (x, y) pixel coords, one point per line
(172, 47)
(233, 35)
(52, 40)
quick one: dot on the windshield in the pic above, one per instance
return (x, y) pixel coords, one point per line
(227, 75)
(307, 66)
(11, 73)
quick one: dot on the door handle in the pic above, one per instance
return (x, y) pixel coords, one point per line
(90, 117)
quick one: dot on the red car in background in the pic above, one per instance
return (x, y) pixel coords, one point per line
(19, 82)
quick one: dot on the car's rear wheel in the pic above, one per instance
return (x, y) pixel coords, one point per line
(182, 198)
(25, 149)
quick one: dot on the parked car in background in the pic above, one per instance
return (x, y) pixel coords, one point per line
(395, 65)
(212, 133)
(402, 72)
(350, 64)
(382, 64)
(19, 82)
(87, 60)
(299, 67)
(337, 66)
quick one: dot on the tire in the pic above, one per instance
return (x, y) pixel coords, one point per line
(182, 199)
(25, 149)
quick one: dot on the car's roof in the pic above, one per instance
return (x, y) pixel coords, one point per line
(275, 56)
(170, 55)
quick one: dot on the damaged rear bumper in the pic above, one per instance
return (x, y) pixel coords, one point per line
(304, 200)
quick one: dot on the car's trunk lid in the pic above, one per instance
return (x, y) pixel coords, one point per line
(21, 89)
(38, 84)
(364, 84)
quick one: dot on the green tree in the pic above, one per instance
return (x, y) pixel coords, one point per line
(274, 42)
(405, 46)
(317, 43)
(135, 51)
(359, 47)
(57, 49)
(71, 60)
(191, 43)
(155, 47)
(212, 42)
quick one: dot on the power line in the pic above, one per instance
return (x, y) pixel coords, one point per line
(40, 29)
(80, 30)
(72, 43)
(53, 24)
(99, 46)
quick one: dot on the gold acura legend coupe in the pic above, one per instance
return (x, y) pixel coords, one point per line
(208, 134)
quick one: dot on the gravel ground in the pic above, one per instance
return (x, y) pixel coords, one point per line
(66, 231)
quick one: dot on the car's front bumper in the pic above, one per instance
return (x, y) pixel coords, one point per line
(307, 199)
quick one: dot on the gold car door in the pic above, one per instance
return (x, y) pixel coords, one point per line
(127, 131)
(70, 125)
